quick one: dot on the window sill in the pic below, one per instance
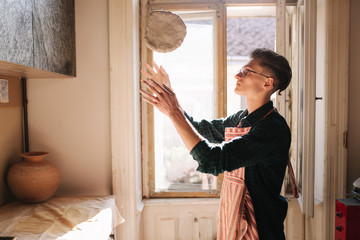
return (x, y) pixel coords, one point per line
(181, 201)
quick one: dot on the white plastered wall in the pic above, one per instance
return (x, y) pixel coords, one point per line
(70, 118)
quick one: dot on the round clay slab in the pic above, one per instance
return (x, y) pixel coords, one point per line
(165, 31)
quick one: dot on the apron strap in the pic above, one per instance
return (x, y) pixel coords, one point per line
(293, 181)
(291, 172)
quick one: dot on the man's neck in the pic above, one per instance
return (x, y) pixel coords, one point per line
(255, 103)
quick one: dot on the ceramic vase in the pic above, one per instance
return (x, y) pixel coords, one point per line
(34, 179)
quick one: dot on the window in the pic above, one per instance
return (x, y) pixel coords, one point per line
(202, 73)
(192, 68)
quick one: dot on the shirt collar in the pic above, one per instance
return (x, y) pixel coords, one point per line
(256, 115)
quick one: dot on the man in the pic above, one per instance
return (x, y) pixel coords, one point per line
(254, 155)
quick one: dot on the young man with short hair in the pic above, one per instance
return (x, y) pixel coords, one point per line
(251, 146)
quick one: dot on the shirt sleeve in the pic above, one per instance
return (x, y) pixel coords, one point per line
(214, 130)
(265, 142)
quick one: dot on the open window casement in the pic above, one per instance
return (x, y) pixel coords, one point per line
(296, 39)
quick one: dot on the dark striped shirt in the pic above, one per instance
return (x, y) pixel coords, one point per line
(264, 152)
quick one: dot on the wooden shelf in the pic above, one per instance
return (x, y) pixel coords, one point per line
(19, 71)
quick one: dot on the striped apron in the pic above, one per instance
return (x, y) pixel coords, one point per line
(236, 214)
(236, 219)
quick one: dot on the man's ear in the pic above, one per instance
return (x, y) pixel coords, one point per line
(270, 82)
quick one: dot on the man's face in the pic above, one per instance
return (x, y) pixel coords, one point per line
(251, 81)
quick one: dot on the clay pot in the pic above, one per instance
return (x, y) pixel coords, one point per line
(34, 179)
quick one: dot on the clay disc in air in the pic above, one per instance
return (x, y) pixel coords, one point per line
(165, 31)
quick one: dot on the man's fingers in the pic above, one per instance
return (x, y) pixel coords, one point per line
(148, 100)
(146, 74)
(151, 88)
(158, 90)
(156, 66)
(148, 97)
(169, 90)
(150, 69)
(156, 87)
(162, 70)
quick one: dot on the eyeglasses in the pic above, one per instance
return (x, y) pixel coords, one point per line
(244, 71)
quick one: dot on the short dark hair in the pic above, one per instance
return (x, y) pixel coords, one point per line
(277, 64)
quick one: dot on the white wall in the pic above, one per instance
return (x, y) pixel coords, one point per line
(353, 169)
(10, 145)
(70, 118)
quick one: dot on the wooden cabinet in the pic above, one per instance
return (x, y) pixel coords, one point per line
(39, 34)
(16, 37)
(171, 219)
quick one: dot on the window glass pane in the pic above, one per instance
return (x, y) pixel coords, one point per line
(192, 73)
(247, 28)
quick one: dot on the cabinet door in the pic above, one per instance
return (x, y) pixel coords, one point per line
(54, 36)
(180, 219)
(16, 39)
